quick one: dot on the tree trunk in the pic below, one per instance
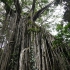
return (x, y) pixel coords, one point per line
(29, 48)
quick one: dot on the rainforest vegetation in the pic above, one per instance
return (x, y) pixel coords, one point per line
(26, 38)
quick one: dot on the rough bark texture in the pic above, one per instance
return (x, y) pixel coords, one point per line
(27, 36)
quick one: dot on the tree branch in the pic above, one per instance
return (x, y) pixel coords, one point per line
(38, 13)
(17, 5)
(33, 6)
(18, 10)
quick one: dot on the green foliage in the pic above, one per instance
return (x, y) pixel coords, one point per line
(44, 1)
(63, 35)
(59, 27)
(9, 2)
(63, 31)
(33, 29)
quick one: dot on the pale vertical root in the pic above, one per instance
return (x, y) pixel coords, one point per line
(21, 58)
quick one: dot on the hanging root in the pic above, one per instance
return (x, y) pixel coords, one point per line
(21, 58)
